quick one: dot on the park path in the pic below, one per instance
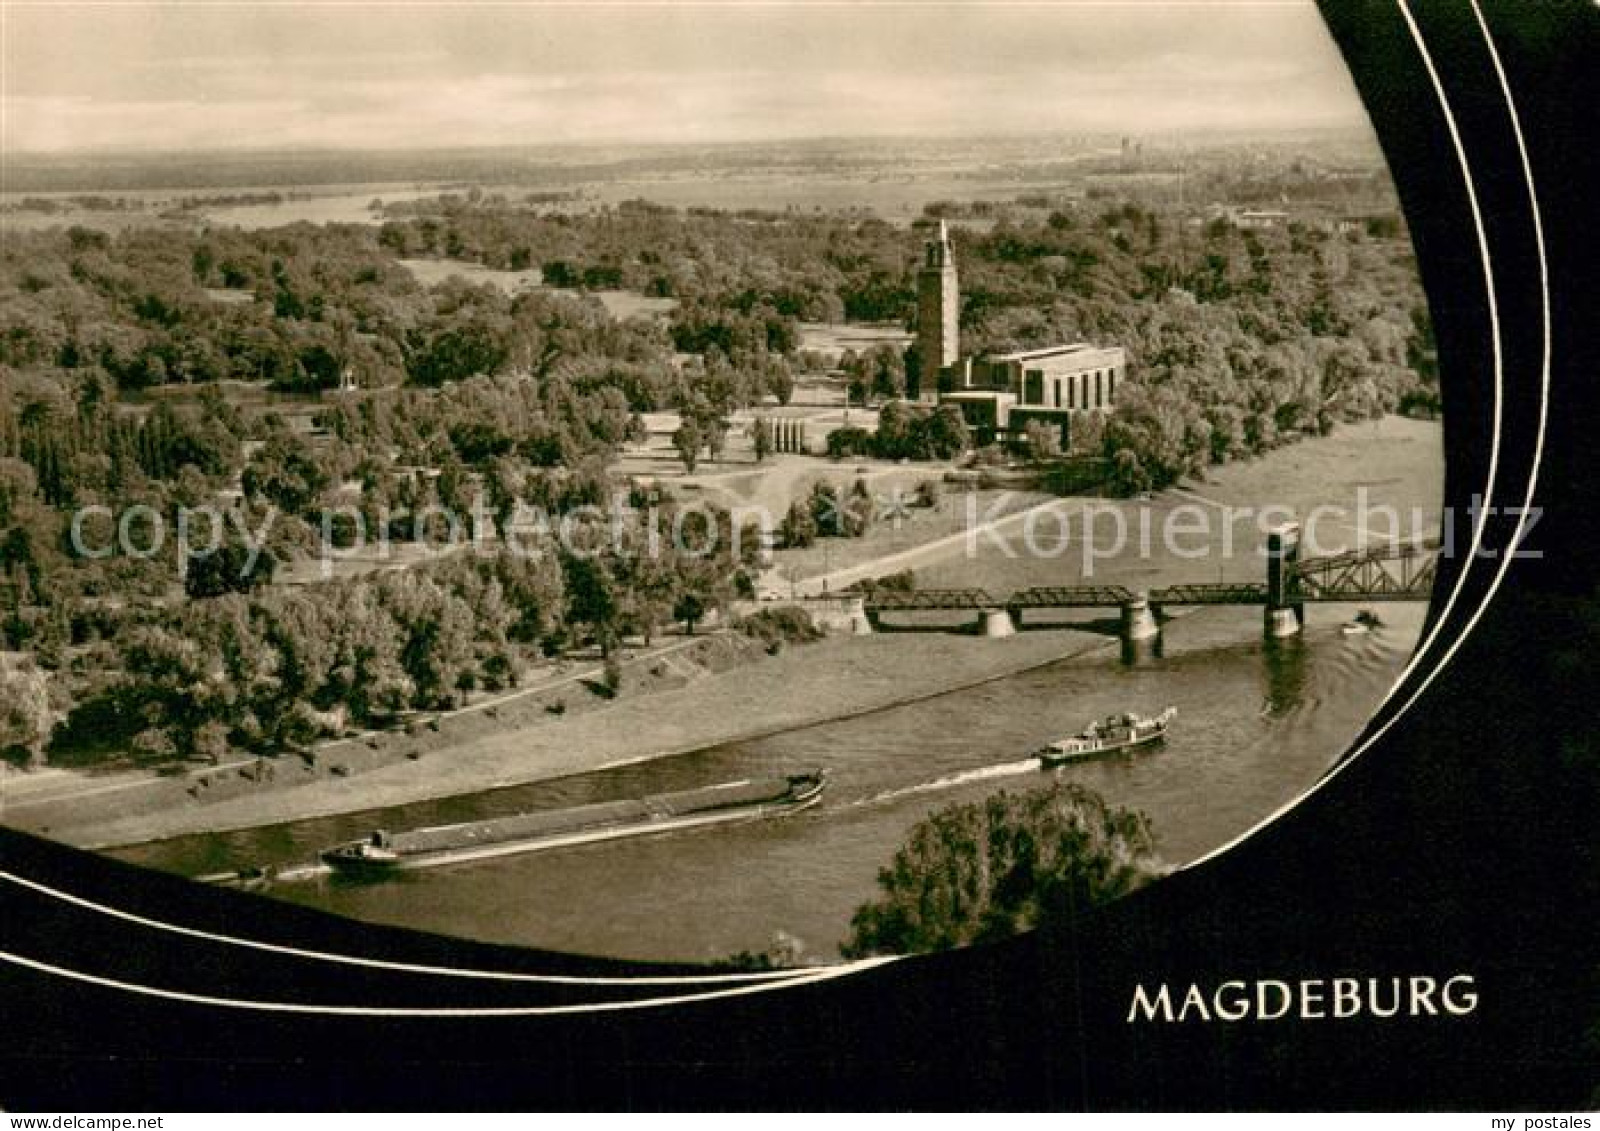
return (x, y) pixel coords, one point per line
(974, 535)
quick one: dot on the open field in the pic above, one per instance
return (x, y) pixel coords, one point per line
(827, 338)
(619, 304)
(432, 272)
(626, 304)
(833, 338)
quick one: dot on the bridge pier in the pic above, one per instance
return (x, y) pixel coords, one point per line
(1138, 621)
(996, 623)
(1284, 614)
(1281, 622)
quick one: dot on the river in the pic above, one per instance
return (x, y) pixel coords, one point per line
(1258, 722)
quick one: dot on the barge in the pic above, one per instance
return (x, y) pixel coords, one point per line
(383, 853)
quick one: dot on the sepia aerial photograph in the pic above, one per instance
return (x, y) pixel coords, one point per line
(757, 485)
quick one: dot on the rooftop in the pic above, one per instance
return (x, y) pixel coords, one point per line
(1049, 351)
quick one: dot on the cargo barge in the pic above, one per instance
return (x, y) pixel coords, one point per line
(383, 853)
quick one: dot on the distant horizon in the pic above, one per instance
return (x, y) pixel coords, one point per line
(1354, 132)
(163, 78)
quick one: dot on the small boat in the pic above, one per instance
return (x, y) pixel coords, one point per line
(383, 853)
(1361, 624)
(1108, 736)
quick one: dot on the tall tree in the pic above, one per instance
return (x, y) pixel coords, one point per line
(688, 439)
(28, 716)
(761, 438)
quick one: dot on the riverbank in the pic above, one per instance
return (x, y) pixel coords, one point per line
(40, 800)
(833, 679)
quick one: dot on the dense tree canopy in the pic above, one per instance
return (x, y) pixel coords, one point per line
(1014, 862)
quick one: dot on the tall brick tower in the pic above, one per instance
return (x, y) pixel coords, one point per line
(938, 318)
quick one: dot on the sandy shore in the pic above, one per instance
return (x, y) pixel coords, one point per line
(832, 679)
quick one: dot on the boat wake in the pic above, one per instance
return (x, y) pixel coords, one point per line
(953, 781)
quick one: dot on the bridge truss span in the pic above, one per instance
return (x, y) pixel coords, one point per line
(930, 599)
(1403, 573)
(1211, 593)
(1070, 597)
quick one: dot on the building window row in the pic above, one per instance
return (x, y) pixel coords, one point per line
(1088, 389)
(1102, 382)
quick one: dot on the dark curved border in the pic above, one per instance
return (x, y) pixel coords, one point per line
(1458, 842)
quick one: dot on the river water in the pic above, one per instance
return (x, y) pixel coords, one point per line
(1258, 722)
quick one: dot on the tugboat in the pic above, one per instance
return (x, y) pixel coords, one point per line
(1108, 736)
(384, 853)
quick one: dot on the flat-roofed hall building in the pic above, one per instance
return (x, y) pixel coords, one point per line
(999, 394)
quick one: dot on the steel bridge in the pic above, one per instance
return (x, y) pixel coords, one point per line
(1399, 572)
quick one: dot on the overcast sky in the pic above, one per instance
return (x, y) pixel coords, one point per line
(404, 75)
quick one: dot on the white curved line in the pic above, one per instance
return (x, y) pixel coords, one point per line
(1544, 284)
(1494, 456)
(1491, 295)
(408, 967)
(822, 975)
